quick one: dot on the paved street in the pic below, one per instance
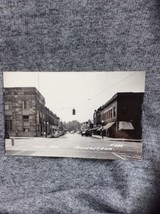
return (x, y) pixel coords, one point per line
(74, 145)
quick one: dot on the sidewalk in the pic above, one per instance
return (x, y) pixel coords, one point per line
(20, 137)
(116, 139)
(43, 137)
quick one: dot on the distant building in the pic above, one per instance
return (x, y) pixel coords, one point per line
(97, 118)
(26, 114)
(52, 122)
(121, 116)
(84, 126)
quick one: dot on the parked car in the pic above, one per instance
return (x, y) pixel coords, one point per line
(86, 133)
(78, 132)
(83, 132)
(72, 132)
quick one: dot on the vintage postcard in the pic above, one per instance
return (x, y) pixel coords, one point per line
(95, 115)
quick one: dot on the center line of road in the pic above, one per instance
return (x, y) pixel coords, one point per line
(119, 156)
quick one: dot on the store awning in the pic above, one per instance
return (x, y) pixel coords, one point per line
(108, 125)
(94, 129)
(54, 127)
(125, 125)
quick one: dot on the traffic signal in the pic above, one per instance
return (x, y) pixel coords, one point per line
(73, 111)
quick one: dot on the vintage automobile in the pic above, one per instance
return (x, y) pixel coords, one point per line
(86, 132)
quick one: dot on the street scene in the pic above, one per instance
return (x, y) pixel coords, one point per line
(75, 145)
(94, 115)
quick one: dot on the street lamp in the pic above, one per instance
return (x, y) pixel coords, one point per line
(15, 122)
(102, 124)
(46, 127)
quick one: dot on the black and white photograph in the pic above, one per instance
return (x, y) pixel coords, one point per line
(95, 115)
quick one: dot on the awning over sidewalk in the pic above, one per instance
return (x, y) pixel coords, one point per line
(54, 127)
(125, 125)
(108, 125)
(94, 129)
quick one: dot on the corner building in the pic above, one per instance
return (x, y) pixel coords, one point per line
(26, 114)
(121, 115)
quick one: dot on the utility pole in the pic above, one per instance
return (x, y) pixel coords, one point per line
(102, 123)
(38, 83)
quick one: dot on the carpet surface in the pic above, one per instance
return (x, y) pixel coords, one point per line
(83, 35)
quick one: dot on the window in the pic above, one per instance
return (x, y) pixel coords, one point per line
(8, 106)
(114, 112)
(25, 123)
(25, 104)
(25, 117)
(8, 123)
(37, 116)
(111, 113)
(26, 129)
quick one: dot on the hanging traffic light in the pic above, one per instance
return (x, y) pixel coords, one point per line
(73, 111)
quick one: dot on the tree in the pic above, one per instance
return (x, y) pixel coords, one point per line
(73, 125)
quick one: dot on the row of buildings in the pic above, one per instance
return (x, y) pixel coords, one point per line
(120, 117)
(26, 114)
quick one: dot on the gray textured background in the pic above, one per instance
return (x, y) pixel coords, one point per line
(79, 35)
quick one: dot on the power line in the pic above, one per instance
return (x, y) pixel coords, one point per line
(101, 92)
(108, 88)
(63, 107)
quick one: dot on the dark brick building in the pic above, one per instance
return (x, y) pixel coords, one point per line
(26, 114)
(121, 115)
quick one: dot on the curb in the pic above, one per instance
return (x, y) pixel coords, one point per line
(122, 140)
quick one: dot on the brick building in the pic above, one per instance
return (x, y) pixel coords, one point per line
(26, 114)
(121, 116)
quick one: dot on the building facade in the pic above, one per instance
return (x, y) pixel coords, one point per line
(97, 118)
(121, 115)
(51, 122)
(26, 114)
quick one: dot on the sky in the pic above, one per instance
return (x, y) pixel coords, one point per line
(84, 91)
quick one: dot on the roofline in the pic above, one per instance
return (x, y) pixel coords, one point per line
(115, 96)
(20, 87)
(26, 88)
(53, 114)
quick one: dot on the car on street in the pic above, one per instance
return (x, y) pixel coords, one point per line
(86, 132)
(73, 131)
(78, 132)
